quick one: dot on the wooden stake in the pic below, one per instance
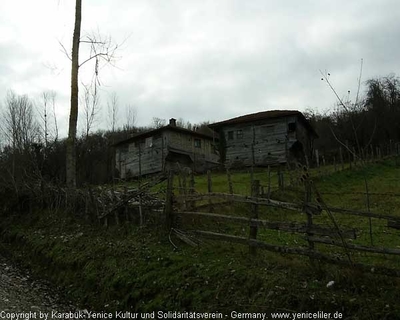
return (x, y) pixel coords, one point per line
(307, 200)
(168, 210)
(269, 182)
(341, 157)
(191, 189)
(368, 208)
(229, 181)
(209, 188)
(255, 191)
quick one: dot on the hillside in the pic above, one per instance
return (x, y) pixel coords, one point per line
(148, 269)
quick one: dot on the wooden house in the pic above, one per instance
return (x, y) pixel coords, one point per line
(164, 148)
(265, 138)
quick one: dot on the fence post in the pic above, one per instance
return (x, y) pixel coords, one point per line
(348, 154)
(230, 185)
(307, 162)
(184, 190)
(94, 203)
(280, 178)
(354, 156)
(369, 210)
(341, 157)
(307, 200)
(168, 210)
(255, 191)
(269, 182)
(191, 190)
(180, 186)
(87, 206)
(372, 153)
(116, 213)
(141, 219)
(126, 206)
(209, 188)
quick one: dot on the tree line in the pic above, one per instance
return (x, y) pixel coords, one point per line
(373, 120)
(32, 149)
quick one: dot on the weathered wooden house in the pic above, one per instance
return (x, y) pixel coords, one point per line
(265, 138)
(164, 148)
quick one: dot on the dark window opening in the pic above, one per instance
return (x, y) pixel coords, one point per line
(197, 143)
(230, 135)
(239, 134)
(292, 127)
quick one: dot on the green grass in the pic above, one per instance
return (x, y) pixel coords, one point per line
(130, 268)
(342, 189)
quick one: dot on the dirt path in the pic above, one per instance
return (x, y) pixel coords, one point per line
(19, 292)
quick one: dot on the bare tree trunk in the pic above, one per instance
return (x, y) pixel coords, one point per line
(73, 117)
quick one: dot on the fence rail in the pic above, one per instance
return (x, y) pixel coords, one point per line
(184, 205)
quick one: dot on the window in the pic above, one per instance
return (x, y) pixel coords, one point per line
(239, 134)
(149, 142)
(230, 135)
(292, 127)
(197, 143)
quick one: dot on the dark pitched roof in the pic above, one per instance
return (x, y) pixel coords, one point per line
(263, 116)
(153, 132)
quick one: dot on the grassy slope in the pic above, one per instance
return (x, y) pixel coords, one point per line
(127, 267)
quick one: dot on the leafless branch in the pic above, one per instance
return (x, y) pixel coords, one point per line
(359, 82)
(325, 77)
(112, 106)
(100, 48)
(341, 143)
(64, 50)
(91, 106)
(372, 136)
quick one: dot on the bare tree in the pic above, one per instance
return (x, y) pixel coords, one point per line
(130, 117)
(44, 116)
(73, 116)
(348, 109)
(101, 49)
(112, 110)
(158, 122)
(48, 118)
(184, 124)
(52, 96)
(91, 107)
(19, 126)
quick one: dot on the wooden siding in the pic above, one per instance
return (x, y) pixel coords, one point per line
(150, 155)
(303, 135)
(263, 142)
(144, 156)
(187, 143)
(200, 150)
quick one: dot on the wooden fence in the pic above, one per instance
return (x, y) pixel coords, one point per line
(347, 156)
(182, 201)
(104, 205)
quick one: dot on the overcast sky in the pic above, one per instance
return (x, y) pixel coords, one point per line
(202, 60)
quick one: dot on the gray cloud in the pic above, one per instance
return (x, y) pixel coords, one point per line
(208, 60)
